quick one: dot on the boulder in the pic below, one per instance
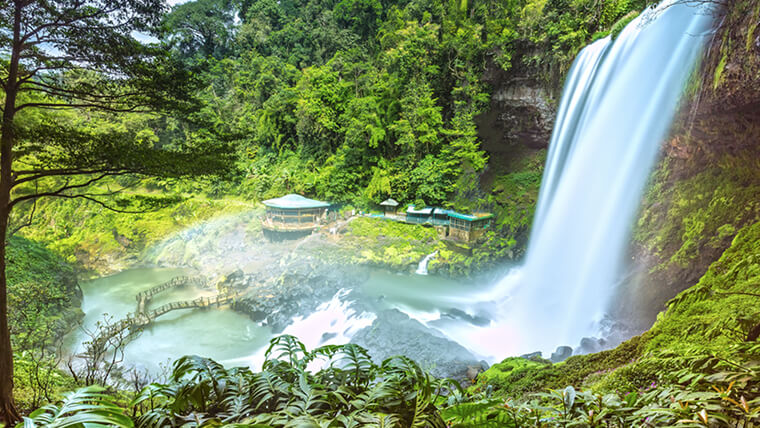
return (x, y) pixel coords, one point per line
(561, 354)
(532, 356)
(394, 333)
(590, 345)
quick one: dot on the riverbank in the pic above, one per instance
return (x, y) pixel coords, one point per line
(100, 242)
(46, 299)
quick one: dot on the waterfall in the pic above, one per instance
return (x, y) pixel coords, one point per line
(617, 106)
(568, 114)
(422, 268)
(618, 103)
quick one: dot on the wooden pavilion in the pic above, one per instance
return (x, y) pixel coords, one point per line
(293, 213)
(468, 228)
(389, 207)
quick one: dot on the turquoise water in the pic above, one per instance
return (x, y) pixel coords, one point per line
(221, 334)
(234, 340)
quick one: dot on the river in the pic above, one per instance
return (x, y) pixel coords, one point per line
(234, 339)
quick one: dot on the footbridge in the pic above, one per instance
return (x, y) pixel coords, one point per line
(143, 316)
(143, 297)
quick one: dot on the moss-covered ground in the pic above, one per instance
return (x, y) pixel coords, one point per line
(387, 243)
(101, 241)
(709, 318)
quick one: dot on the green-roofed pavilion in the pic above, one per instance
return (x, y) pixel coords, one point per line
(293, 201)
(294, 213)
(468, 227)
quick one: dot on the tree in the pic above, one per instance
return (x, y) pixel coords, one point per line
(204, 28)
(66, 65)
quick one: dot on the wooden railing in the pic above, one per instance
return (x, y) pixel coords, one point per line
(172, 283)
(142, 316)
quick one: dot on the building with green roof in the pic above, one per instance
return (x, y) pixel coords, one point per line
(449, 223)
(294, 213)
(389, 207)
(466, 227)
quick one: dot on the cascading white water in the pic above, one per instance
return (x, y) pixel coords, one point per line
(333, 323)
(422, 267)
(568, 115)
(617, 105)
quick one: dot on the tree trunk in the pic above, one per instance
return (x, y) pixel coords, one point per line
(753, 334)
(8, 412)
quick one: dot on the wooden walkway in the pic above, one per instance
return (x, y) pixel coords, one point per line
(143, 297)
(134, 321)
(201, 302)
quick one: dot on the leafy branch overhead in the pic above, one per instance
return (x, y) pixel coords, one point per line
(85, 54)
(70, 70)
(86, 57)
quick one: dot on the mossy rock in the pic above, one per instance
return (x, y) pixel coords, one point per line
(502, 374)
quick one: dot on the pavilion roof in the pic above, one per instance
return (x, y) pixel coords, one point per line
(425, 211)
(293, 201)
(468, 217)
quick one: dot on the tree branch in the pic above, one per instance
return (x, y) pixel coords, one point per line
(37, 174)
(55, 106)
(83, 95)
(96, 201)
(28, 222)
(58, 192)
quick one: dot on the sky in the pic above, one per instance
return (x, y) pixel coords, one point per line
(144, 38)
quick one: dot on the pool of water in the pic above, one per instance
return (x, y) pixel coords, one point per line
(221, 334)
(233, 339)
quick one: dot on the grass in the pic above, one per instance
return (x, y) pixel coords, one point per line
(104, 241)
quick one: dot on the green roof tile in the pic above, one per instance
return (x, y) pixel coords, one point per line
(294, 201)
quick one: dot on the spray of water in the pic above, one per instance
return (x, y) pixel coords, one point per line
(333, 323)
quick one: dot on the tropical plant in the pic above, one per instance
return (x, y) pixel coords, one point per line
(333, 385)
(87, 407)
(707, 391)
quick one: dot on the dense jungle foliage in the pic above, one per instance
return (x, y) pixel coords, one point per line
(349, 390)
(360, 100)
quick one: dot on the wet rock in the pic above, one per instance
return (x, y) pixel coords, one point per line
(532, 356)
(478, 320)
(474, 371)
(561, 354)
(518, 114)
(121, 239)
(590, 345)
(293, 288)
(394, 333)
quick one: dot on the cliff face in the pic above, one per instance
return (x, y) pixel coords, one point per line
(515, 132)
(707, 184)
(519, 114)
